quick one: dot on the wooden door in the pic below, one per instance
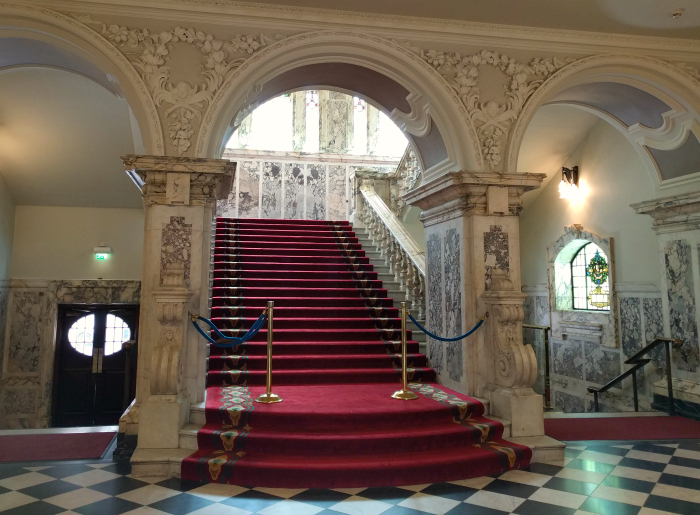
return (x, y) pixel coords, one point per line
(95, 375)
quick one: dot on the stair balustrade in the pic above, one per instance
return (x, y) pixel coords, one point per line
(402, 254)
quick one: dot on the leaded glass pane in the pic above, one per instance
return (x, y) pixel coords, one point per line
(587, 294)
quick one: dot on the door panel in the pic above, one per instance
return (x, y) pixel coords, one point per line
(95, 373)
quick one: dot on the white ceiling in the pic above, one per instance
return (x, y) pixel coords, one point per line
(640, 17)
(61, 135)
(552, 136)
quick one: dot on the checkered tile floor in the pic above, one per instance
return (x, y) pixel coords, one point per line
(608, 479)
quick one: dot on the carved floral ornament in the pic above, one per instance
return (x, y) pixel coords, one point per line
(149, 52)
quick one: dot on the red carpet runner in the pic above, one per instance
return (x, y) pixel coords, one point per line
(336, 364)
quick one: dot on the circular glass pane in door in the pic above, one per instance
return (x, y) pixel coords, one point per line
(117, 332)
(82, 333)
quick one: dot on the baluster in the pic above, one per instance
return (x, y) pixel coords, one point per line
(390, 256)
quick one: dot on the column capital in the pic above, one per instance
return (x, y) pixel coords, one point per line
(478, 193)
(674, 213)
(180, 181)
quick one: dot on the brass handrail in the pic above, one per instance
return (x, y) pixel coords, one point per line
(638, 363)
(547, 386)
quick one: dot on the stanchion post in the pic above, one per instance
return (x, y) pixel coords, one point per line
(404, 394)
(268, 397)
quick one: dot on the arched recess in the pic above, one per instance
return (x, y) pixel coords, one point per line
(73, 37)
(662, 82)
(386, 74)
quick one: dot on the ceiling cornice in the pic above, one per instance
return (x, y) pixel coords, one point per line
(434, 30)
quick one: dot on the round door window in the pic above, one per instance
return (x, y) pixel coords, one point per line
(82, 333)
(117, 332)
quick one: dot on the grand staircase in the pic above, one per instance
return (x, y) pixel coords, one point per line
(336, 364)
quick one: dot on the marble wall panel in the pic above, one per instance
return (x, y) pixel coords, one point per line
(496, 252)
(27, 322)
(294, 191)
(569, 403)
(316, 176)
(567, 358)
(176, 246)
(248, 189)
(681, 303)
(435, 311)
(600, 365)
(4, 298)
(272, 190)
(19, 402)
(337, 193)
(453, 304)
(631, 325)
(654, 328)
(227, 207)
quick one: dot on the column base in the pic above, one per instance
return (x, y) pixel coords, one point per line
(522, 406)
(161, 418)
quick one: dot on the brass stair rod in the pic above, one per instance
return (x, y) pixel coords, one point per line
(404, 394)
(269, 397)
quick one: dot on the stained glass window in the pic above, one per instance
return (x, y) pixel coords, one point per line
(589, 279)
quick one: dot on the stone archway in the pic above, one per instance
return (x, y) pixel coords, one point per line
(69, 35)
(383, 72)
(648, 80)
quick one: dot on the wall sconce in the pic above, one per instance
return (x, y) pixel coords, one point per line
(102, 252)
(569, 182)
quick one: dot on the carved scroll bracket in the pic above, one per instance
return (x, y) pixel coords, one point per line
(512, 364)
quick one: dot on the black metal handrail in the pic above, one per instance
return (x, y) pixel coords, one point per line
(638, 363)
(545, 330)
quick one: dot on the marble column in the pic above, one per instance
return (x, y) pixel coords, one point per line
(179, 197)
(676, 221)
(472, 224)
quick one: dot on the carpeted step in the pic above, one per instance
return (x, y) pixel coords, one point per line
(281, 322)
(222, 252)
(313, 275)
(261, 302)
(225, 260)
(300, 312)
(289, 335)
(226, 268)
(311, 361)
(309, 376)
(269, 236)
(271, 293)
(328, 348)
(274, 246)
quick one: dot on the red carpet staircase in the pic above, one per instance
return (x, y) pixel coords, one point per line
(336, 364)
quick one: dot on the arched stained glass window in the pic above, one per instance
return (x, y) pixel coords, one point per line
(589, 279)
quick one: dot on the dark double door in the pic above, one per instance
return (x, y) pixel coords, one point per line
(95, 374)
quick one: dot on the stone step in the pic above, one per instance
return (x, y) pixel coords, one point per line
(188, 436)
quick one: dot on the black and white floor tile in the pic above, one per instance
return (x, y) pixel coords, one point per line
(614, 478)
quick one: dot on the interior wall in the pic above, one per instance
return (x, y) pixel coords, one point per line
(611, 177)
(7, 227)
(56, 243)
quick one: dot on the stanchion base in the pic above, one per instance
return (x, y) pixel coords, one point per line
(406, 395)
(269, 399)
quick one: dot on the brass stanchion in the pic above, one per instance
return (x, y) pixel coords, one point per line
(269, 397)
(404, 394)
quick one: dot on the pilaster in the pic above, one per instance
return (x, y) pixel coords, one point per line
(179, 197)
(472, 232)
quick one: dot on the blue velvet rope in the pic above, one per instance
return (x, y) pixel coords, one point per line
(230, 341)
(478, 324)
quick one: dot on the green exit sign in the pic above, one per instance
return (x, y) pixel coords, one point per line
(101, 257)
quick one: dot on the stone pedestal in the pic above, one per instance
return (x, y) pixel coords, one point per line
(472, 230)
(179, 197)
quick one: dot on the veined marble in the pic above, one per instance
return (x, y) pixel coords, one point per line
(681, 303)
(272, 190)
(600, 365)
(27, 323)
(316, 192)
(496, 252)
(631, 325)
(567, 358)
(453, 304)
(435, 289)
(294, 191)
(569, 403)
(248, 189)
(337, 193)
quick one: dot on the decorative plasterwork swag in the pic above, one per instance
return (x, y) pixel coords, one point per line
(183, 102)
(491, 119)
